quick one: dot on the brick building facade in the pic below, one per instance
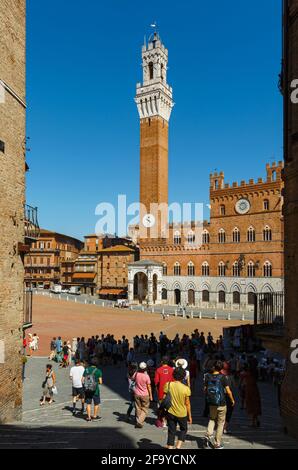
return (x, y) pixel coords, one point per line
(221, 263)
(12, 200)
(47, 262)
(101, 267)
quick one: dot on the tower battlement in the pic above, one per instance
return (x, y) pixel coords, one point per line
(273, 172)
(154, 97)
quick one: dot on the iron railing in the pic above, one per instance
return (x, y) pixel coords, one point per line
(31, 222)
(28, 298)
(270, 310)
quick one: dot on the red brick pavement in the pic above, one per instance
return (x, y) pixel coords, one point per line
(53, 317)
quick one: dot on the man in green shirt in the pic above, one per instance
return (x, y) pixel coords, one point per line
(92, 381)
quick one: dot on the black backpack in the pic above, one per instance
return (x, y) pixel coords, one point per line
(214, 390)
(90, 382)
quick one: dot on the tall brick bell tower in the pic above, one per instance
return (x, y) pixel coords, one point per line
(155, 103)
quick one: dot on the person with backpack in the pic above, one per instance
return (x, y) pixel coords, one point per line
(92, 380)
(216, 388)
(176, 403)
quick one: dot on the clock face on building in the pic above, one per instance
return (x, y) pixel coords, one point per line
(149, 220)
(242, 206)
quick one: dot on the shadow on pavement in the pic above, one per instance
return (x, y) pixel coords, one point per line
(45, 437)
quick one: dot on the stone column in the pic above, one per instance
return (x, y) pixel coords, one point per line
(150, 287)
(198, 298)
(229, 300)
(130, 291)
(170, 300)
(184, 297)
(159, 291)
(213, 299)
(243, 302)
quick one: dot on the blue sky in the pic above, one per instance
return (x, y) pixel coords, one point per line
(83, 63)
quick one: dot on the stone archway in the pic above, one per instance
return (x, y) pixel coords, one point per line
(145, 282)
(191, 297)
(140, 287)
(177, 294)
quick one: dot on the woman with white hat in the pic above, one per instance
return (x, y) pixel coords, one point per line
(183, 364)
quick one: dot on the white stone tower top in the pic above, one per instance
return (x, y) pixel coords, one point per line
(154, 96)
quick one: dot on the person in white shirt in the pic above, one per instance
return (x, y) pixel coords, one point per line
(77, 378)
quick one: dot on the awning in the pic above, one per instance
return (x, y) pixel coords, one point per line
(90, 276)
(111, 291)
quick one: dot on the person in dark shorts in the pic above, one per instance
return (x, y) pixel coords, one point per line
(76, 376)
(92, 381)
(179, 412)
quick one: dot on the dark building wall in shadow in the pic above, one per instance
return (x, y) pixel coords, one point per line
(290, 72)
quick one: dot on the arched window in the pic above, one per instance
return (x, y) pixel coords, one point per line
(273, 176)
(267, 234)
(236, 235)
(205, 269)
(164, 294)
(266, 205)
(251, 269)
(236, 297)
(205, 237)
(191, 238)
(221, 269)
(251, 298)
(177, 295)
(205, 295)
(177, 269)
(164, 269)
(221, 236)
(222, 210)
(236, 269)
(251, 235)
(221, 297)
(151, 70)
(191, 269)
(177, 238)
(267, 269)
(162, 71)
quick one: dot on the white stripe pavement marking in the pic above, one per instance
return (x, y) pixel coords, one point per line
(52, 407)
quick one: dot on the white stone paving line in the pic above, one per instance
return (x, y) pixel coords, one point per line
(53, 407)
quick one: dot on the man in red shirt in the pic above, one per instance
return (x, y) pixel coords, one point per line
(163, 375)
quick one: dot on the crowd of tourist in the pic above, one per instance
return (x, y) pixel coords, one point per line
(162, 373)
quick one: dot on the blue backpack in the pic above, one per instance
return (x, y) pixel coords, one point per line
(215, 392)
